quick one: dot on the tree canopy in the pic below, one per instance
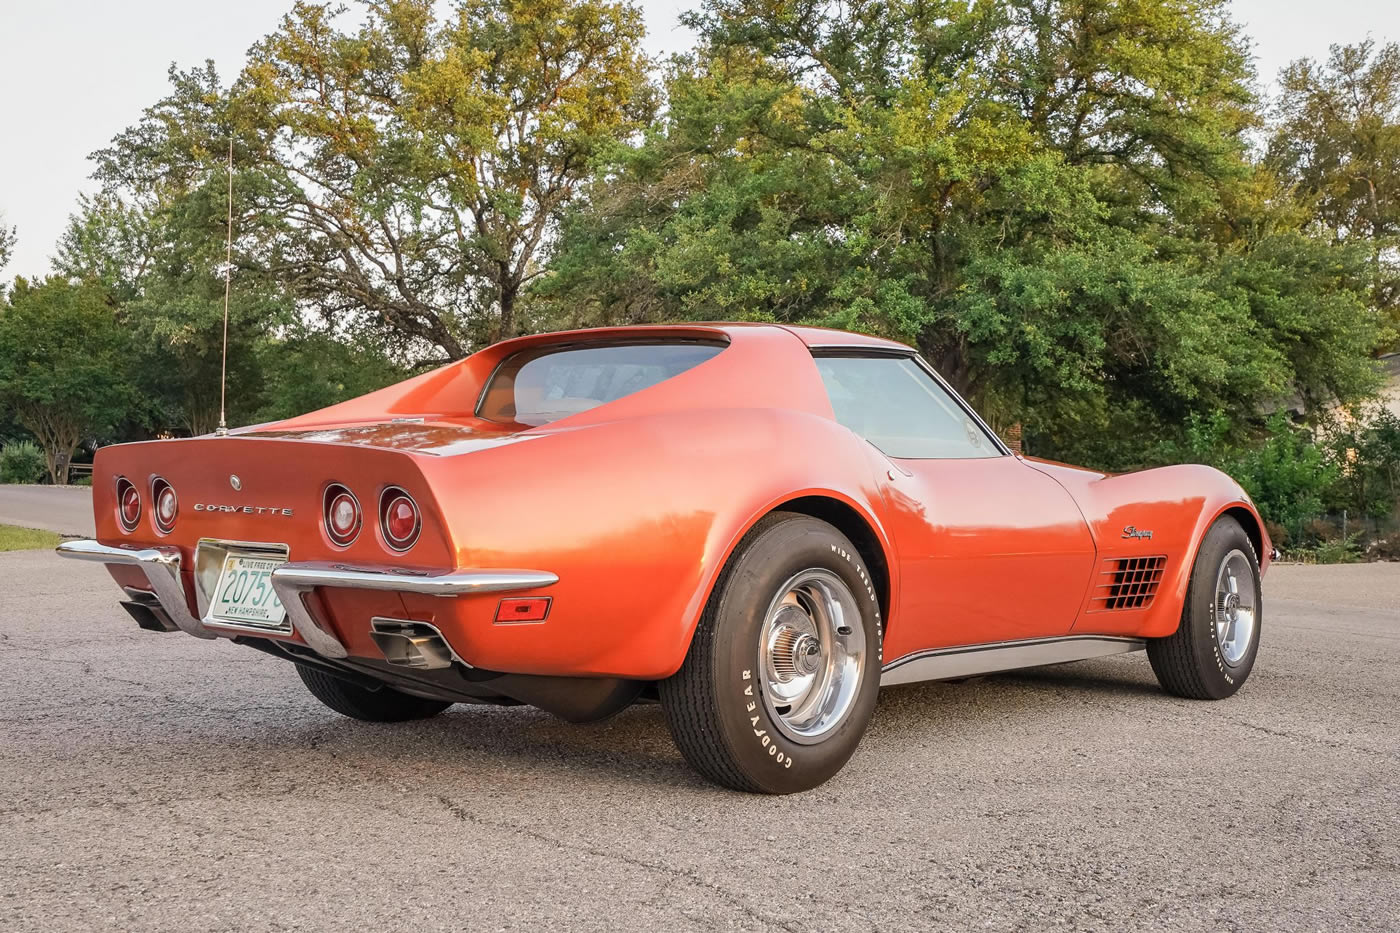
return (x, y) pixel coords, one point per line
(1053, 199)
(7, 246)
(1337, 140)
(64, 374)
(403, 176)
(424, 161)
(1083, 213)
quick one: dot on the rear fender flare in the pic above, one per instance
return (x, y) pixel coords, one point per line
(878, 547)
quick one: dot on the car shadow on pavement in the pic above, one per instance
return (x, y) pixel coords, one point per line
(1075, 677)
(508, 741)
(1082, 677)
(504, 742)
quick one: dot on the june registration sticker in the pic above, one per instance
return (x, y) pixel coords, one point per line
(245, 592)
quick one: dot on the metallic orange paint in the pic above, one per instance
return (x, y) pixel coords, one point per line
(991, 550)
(637, 504)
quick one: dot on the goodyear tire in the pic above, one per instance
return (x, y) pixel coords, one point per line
(1212, 651)
(782, 674)
(382, 705)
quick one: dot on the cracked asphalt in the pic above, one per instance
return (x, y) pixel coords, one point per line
(158, 782)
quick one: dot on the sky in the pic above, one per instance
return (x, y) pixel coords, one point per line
(74, 73)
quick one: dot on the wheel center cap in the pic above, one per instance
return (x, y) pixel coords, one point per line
(806, 654)
(1229, 607)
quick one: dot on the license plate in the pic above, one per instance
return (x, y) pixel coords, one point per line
(245, 594)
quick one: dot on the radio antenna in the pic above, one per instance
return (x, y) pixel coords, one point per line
(222, 430)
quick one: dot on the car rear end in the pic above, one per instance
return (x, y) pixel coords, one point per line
(309, 542)
(543, 511)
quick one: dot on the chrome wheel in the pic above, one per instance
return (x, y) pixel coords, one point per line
(812, 655)
(1236, 609)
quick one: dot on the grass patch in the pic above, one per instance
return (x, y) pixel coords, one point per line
(26, 539)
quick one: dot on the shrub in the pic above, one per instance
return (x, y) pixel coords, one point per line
(1338, 550)
(1287, 475)
(1366, 449)
(22, 462)
(1284, 470)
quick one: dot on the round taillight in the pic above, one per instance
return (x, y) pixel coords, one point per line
(167, 506)
(128, 505)
(399, 519)
(343, 517)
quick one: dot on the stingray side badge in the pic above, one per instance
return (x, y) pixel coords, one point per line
(1132, 531)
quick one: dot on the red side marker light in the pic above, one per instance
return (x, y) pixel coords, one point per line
(523, 609)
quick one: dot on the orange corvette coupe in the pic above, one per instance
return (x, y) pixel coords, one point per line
(757, 526)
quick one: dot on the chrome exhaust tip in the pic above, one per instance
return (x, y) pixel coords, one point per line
(418, 645)
(147, 612)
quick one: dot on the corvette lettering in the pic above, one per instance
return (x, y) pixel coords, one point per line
(243, 509)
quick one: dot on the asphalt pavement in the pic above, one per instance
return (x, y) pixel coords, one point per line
(64, 509)
(158, 782)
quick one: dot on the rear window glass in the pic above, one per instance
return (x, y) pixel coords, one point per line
(544, 384)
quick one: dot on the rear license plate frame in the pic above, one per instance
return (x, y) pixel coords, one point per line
(255, 603)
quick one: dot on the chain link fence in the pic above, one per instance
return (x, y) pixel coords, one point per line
(1339, 537)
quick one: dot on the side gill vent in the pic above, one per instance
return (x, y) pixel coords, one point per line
(1128, 583)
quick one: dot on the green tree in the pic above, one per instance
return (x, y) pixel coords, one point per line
(1365, 447)
(1286, 471)
(158, 253)
(1288, 475)
(111, 241)
(21, 462)
(63, 366)
(1336, 137)
(313, 370)
(7, 248)
(161, 267)
(417, 166)
(8, 428)
(1052, 199)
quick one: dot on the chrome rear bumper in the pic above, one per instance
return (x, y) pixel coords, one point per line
(294, 580)
(161, 566)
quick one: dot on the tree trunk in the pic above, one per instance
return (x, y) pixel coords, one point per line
(952, 364)
(58, 435)
(505, 324)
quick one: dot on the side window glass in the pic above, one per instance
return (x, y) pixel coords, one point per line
(897, 406)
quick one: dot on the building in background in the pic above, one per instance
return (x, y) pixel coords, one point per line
(1390, 392)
